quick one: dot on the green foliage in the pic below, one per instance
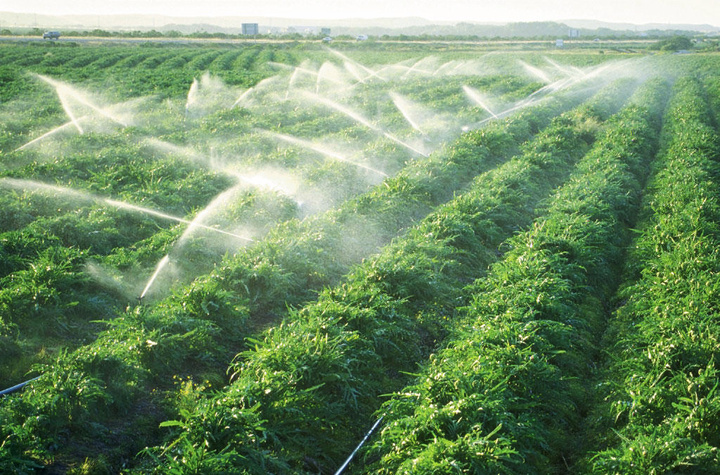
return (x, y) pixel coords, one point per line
(661, 397)
(676, 43)
(330, 362)
(506, 393)
(352, 276)
(38, 299)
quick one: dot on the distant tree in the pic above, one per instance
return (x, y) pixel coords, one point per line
(100, 33)
(674, 43)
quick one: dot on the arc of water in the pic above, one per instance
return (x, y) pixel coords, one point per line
(29, 184)
(67, 91)
(291, 83)
(459, 65)
(602, 68)
(444, 66)
(353, 71)
(318, 80)
(325, 74)
(361, 120)
(191, 96)
(74, 122)
(415, 67)
(68, 110)
(216, 203)
(369, 71)
(159, 214)
(21, 184)
(537, 72)
(476, 97)
(328, 76)
(47, 134)
(242, 96)
(536, 97)
(548, 89)
(196, 223)
(404, 106)
(565, 70)
(99, 110)
(319, 149)
(160, 266)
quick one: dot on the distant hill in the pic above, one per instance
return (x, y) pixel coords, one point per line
(125, 22)
(411, 26)
(594, 25)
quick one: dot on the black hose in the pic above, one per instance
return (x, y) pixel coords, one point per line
(349, 459)
(17, 387)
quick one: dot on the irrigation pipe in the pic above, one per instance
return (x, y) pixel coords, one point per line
(362, 442)
(17, 387)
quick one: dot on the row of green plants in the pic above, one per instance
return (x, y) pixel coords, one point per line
(661, 407)
(113, 249)
(299, 257)
(301, 396)
(38, 225)
(241, 66)
(129, 367)
(509, 390)
(193, 319)
(281, 269)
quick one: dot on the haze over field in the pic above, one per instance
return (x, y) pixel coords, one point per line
(482, 11)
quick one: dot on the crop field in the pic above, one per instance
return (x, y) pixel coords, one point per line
(281, 258)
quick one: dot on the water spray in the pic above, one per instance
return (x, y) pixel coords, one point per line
(361, 120)
(319, 149)
(445, 66)
(369, 71)
(68, 91)
(191, 96)
(68, 110)
(565, 70)
(161, 265)
(46, 135)
(349, 67)
(152, 212)
(29, 184)
(404, 106)
(242, 96)
(537, 72)
(477, 98)
(415, 67)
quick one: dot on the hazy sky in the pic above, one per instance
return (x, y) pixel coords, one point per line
(632, 11)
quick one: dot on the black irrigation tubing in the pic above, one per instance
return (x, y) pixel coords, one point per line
(359, 446)
(17, 387)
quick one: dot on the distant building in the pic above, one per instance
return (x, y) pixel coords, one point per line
(325, 31)
(250, 29)
(559, 43)
(573, 33)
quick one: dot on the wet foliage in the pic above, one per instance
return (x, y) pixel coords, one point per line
(234, 258)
